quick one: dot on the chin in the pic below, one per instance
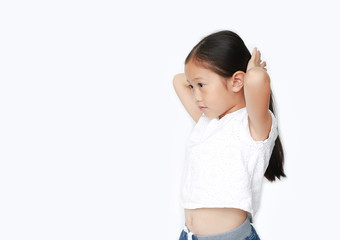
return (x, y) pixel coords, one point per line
(212, 116)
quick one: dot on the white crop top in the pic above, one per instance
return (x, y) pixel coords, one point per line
(224, 165)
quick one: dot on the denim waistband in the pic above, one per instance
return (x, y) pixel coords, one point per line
(241, 232)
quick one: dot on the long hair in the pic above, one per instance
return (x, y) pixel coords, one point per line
(224, 53)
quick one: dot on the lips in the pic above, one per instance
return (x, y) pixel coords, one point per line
(201, 108)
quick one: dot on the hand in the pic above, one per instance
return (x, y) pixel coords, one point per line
(255, 60)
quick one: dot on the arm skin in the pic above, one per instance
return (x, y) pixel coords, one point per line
(257, 95)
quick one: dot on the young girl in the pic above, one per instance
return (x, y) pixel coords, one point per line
(235, 142)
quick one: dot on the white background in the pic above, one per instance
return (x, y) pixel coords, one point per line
(92, 133)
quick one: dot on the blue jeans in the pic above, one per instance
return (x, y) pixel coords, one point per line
(245, 231)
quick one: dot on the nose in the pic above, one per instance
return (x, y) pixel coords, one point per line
(197, 95)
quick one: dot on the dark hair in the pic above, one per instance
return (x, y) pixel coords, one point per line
(224, 53)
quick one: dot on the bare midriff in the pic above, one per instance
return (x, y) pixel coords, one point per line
(210, 221)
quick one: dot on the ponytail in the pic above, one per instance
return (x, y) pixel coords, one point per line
(275, 166)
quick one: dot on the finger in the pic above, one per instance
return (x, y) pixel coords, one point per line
(254, 50)
(253, 55)
(259, 56)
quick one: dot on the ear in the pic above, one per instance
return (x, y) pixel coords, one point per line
(237, 81)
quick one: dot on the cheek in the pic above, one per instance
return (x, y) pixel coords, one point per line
(217, 100)
(221, 94)
(216, 96)
(223, 101)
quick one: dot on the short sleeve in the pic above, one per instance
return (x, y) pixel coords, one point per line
(272, 135)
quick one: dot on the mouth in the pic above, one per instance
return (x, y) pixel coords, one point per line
(201, 108)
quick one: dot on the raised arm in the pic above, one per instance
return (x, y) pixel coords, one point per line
(185, 95)
(257, 95)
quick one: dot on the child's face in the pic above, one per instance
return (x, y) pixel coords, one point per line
(209, 90)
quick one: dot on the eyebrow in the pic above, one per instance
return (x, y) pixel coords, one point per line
(195, 79)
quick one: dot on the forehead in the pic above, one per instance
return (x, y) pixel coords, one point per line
(197, 79)
(198, 73)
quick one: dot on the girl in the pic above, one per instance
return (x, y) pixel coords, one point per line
(235, 142)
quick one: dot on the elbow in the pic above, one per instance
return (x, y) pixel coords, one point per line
(179, 79)
(257, 76)
(179, 76)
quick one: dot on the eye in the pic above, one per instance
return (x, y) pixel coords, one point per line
(200, 84)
